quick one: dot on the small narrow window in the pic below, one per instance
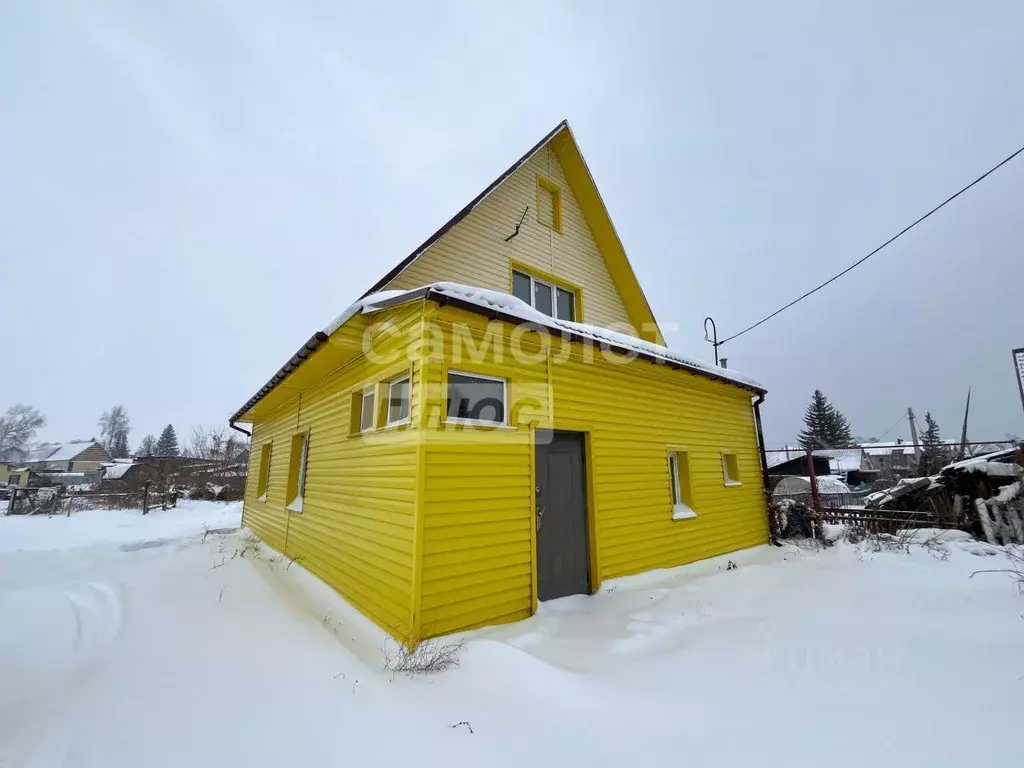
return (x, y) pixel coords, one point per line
(522, 287)
(297, 471)
(366, 413)
(730, 468)
(476, 399)
(398, 401)
(679, 472)
(549, 204)
(263, 478)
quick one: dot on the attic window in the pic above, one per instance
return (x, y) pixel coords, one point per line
(544, 297)
(549, 204)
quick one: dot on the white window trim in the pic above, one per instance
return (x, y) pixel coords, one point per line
(478, 422)
(726, 477)
(554, 295)
(370, 391)
(387, 417)
(680, 509)
(295, 505)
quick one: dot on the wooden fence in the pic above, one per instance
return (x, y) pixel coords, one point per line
(880, 520)
(57, 501)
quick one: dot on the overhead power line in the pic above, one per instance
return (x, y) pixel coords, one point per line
(883, 245)
(890, 429)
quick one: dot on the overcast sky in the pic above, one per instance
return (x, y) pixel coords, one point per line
(189, 189)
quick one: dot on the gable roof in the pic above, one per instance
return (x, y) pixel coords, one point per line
(594, 211)
(58, 451)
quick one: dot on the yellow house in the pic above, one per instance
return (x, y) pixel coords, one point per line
(496, 422)
(10, 475)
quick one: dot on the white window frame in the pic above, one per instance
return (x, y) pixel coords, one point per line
(680, 509)
(405, 419)
(371, 392)
(554, 295)
(729, 480)
(295, 505)
(477, 422)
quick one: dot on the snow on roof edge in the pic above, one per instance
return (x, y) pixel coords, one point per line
(509, 304)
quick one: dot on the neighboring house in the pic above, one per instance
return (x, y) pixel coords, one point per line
(75, 456)
(78, 462)
(446, 456)
(13, 475)
(850, 464)
(791, 462)
(890, 460)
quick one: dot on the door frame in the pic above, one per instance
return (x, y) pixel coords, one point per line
(591, 516)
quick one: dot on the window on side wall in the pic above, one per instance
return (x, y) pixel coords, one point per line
(297, 471)
(476, 399)
(398, 401)
(552, 300)
(366, 409)
(730, 468)
(682, 494)
(549, 204)
(263, 478)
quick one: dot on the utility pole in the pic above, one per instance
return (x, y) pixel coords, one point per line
(963, 436)
(913, 433)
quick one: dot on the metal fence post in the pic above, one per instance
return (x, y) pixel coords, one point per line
(10, 501)
(145, 498)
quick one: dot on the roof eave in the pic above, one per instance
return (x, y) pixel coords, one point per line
(444, 299)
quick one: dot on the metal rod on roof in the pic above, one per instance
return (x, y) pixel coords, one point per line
(714, 335)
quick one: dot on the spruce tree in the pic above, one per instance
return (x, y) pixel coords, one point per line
(839, 429)
(824, 426)
(119, 446)
(933, 454)
(817, 423)
(167, 444)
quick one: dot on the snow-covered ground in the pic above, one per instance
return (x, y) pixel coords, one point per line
(158, 646)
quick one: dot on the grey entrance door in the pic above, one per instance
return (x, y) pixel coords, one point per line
(563, 561)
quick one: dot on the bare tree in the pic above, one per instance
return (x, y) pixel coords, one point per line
(147, 447)
(214, 443)
(205, 443)
(17, 428)
(114, 427)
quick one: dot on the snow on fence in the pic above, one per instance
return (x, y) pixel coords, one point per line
(879, 520)
(1001, 520)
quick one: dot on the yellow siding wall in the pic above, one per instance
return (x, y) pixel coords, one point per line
(478, 514)
(357, 527)
(6, 472)
(474, 251)
(477, 518)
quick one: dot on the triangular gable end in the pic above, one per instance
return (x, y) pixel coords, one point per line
(472, 246)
